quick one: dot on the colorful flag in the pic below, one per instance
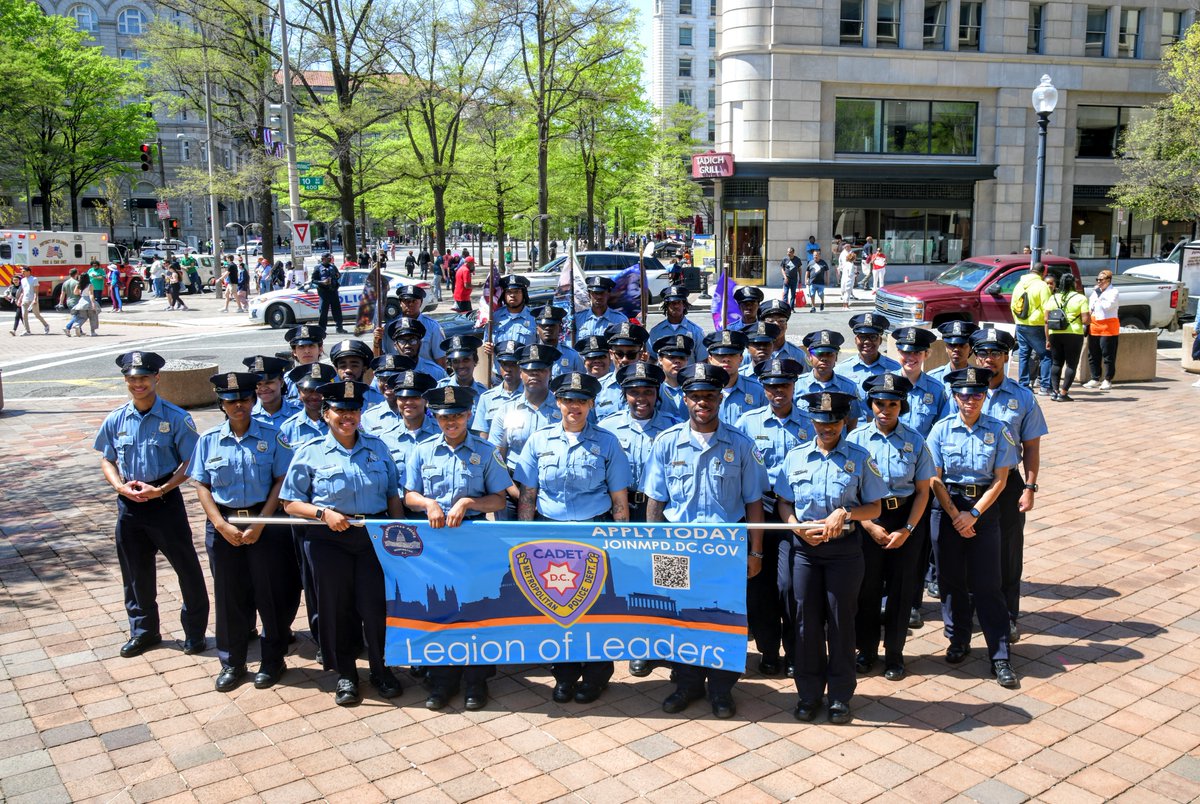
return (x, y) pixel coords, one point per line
(723, 300)
(563, 291)
(626, 296)
(493, 297)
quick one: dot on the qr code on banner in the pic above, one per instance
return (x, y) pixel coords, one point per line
(671, 572)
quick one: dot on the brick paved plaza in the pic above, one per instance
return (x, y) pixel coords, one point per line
(1107, 708)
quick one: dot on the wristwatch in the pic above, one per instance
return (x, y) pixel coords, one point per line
(910, 527)
(321, 514)
(975, 512)
(1032, 487)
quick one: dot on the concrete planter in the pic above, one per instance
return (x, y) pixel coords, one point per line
(185, 383)
(1189, 365)
(1137, 357)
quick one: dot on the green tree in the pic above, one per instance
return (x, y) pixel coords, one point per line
(663, 191)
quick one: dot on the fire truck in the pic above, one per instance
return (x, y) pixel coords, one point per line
(52, 255)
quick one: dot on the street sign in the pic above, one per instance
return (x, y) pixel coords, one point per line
(302, 166)
(302, 245)
(312, 182)
(164, 211)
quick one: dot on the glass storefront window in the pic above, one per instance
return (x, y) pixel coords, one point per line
(856, 127)
(913, 236)
(745, 241)
(952, 129)
(906, 127)
(921, 127)
(1091, 231)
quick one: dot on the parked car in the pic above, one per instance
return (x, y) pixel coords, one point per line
(980, 289)
(251, 248)
(543, 282)
(284, 308)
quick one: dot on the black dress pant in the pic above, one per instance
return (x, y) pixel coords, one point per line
(329, 302)
(143, 531)
(350, 597)
(1102, 346)
(768, 593)
(1011, 522)
(248, 579)
(825, 584)
(1065, 348)
(896, 572)
(307, 585)
(969, 571)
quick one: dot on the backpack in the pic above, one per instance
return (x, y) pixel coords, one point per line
(1057, 318)
(1020, 306)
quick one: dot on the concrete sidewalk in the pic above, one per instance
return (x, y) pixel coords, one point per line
(1107, 707)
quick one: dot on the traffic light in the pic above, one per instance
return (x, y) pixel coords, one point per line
(125, 203)
(173, 226)
(147, 158)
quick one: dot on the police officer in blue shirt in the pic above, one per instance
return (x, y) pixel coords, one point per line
(893, 544)
(535, 408)
(513, 322)
(573, 471)
(775, 429)
(326, 277)
(760, 347)
(238, 468)
(408, 335)
(973, 454)
(597, 362)
(549, 321)
(453, 478)
(351, 358)
(411, 299)
(500, 394)
(145, 446)
(748, 299)
(674, 353)
(779, 313)
(346, 474)
(725, 350)
(703, 470)
(829, 485)
(676, 308)
(868, 329)
(307, 342)
(626, 346)
(957, 337)
(379, 418)
(823, 346)
(271, 408)
(411, 425)
(597, 319)
(1015, 405)
(462, 353)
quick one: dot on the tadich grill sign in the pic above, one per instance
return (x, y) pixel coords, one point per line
(712, 165)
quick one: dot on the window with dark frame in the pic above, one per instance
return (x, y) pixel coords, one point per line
(1099, 129)
(685, 97)
(1097, 31)
(851, 28)
(685, 7)
(887, 24)
(911, 127)
(1172, 28)
(712, 68)
(685, 68)
(712, 36)
(934, 34)
(1129, 34)
(970, 24)
(1037, 14)
(685, 37)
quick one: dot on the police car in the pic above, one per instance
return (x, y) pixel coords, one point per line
(284, 308)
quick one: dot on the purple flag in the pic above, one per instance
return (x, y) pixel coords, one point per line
(627, 295)
(722, 300)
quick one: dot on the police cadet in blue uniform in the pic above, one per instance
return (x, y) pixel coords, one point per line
(462, 353)
(535, 409)
(238, 468)
(893, 542)
(549, 321)
(597, 319)
(351, 359)
(775, 429)
(674, 353)
(675, 307)
(378, 419)
(957, 337)
(413, 425)
(513, 322)
(779, 313)
(346, 474)
(573, 471)
(868, 329)
(1015, 405)
(271, 408)
(823, 346)
(703, 470)
(307, 342)
(748, 299)
(626, 346)
(760, 347)
(411, 299)
(830, 485)
(408, 335)
(725, 350)
(500, 394)
(453, 478)
(973, 453)
(145, 446)
(596, 360)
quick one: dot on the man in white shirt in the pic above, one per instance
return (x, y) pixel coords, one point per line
(846, 274)
(157, 269)
(27, 301)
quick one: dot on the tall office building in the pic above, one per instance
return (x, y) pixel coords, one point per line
(683, 60)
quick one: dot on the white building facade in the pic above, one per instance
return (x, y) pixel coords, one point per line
(911, 121)
(683, 60)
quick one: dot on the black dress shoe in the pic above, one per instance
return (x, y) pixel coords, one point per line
(292, 637)
(789, 670)
(839, 712)
(894, 671)
(769, 666)
(679, 700)
(438, 699)
(1004, 674)
(723, 706)
(229, 677)
(914, 618)
(863, 663)
(589, 691)
(253, 634)
(564, 692)
(639, 667)
(347, 693)
(386, 684)
(806, 711)
(475, 699)
(1014, 635)
(140, 644)
(194, 645)
(956, 653)
(319, 658)
(417, 671)
(268, 677)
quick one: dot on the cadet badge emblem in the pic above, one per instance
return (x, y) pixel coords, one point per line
(989, 438)
(402, 540)
(729, 456)
(164, 427)
(262, 446)
(561, 579)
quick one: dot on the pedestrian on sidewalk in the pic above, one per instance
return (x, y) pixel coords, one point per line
(1028, 300)
(1067, 319)
(82, 309)
(145, 447)
(846, 274)
(174, 287)
(157, 269)
(114, 287)
(95, 276)
(1103, 304)
(817, 276)
(243, 288)
(878, 269)
(229, 282)
(462, 285)
(27, 301)
(13, 294)
(789, 269)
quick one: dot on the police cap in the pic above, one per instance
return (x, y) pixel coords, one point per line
(305, 334)
(823, 340)
(747, 294)
(675, 293)
(957, 332)
(312, 375)
(626, 334)
(234, 385)
(778, 371)
(992, 338)
(592, 346)
(508, 351)
(548, 314)
(869, 324)
(267, 368)
(682, 345)
(640, 375)
(410, 291)
(538, 356)
(390, 364)
(344, 394)
(760, 332)
(775, 308)
(449, 400)
(405, 327)
(913, 339)
(828, 406)
(703, 377)
(411, 383)
(510, 281)
(970, 380)
(461, 346)
(350, 348)
(725, 342)
(134, 364)
(574, 385)
(596, 283)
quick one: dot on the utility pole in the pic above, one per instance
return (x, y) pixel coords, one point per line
(162, 176)
(289, 138)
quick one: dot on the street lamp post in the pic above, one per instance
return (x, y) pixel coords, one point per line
(242, 228)
(1045, 98)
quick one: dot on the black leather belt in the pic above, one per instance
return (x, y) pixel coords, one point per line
(892, 503)
(636, 497)
(251, 510)
(972, 490)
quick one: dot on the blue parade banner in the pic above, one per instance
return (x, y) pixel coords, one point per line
(544, 592)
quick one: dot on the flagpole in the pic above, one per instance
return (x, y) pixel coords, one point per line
(571, 293)
(642, 279)
(723, 289)
(491, 316)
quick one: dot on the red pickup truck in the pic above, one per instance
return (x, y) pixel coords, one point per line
(980, 289)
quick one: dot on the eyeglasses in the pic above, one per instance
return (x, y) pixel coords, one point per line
(974, 396)
(626, 355)
(987, 354)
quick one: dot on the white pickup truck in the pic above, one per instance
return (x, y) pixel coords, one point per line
(1145, 302)
(1182, 265)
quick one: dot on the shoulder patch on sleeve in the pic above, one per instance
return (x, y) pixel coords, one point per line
(873, 467)
(1008, 436)
(758, 456)
(191, 425)
(283, 442)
